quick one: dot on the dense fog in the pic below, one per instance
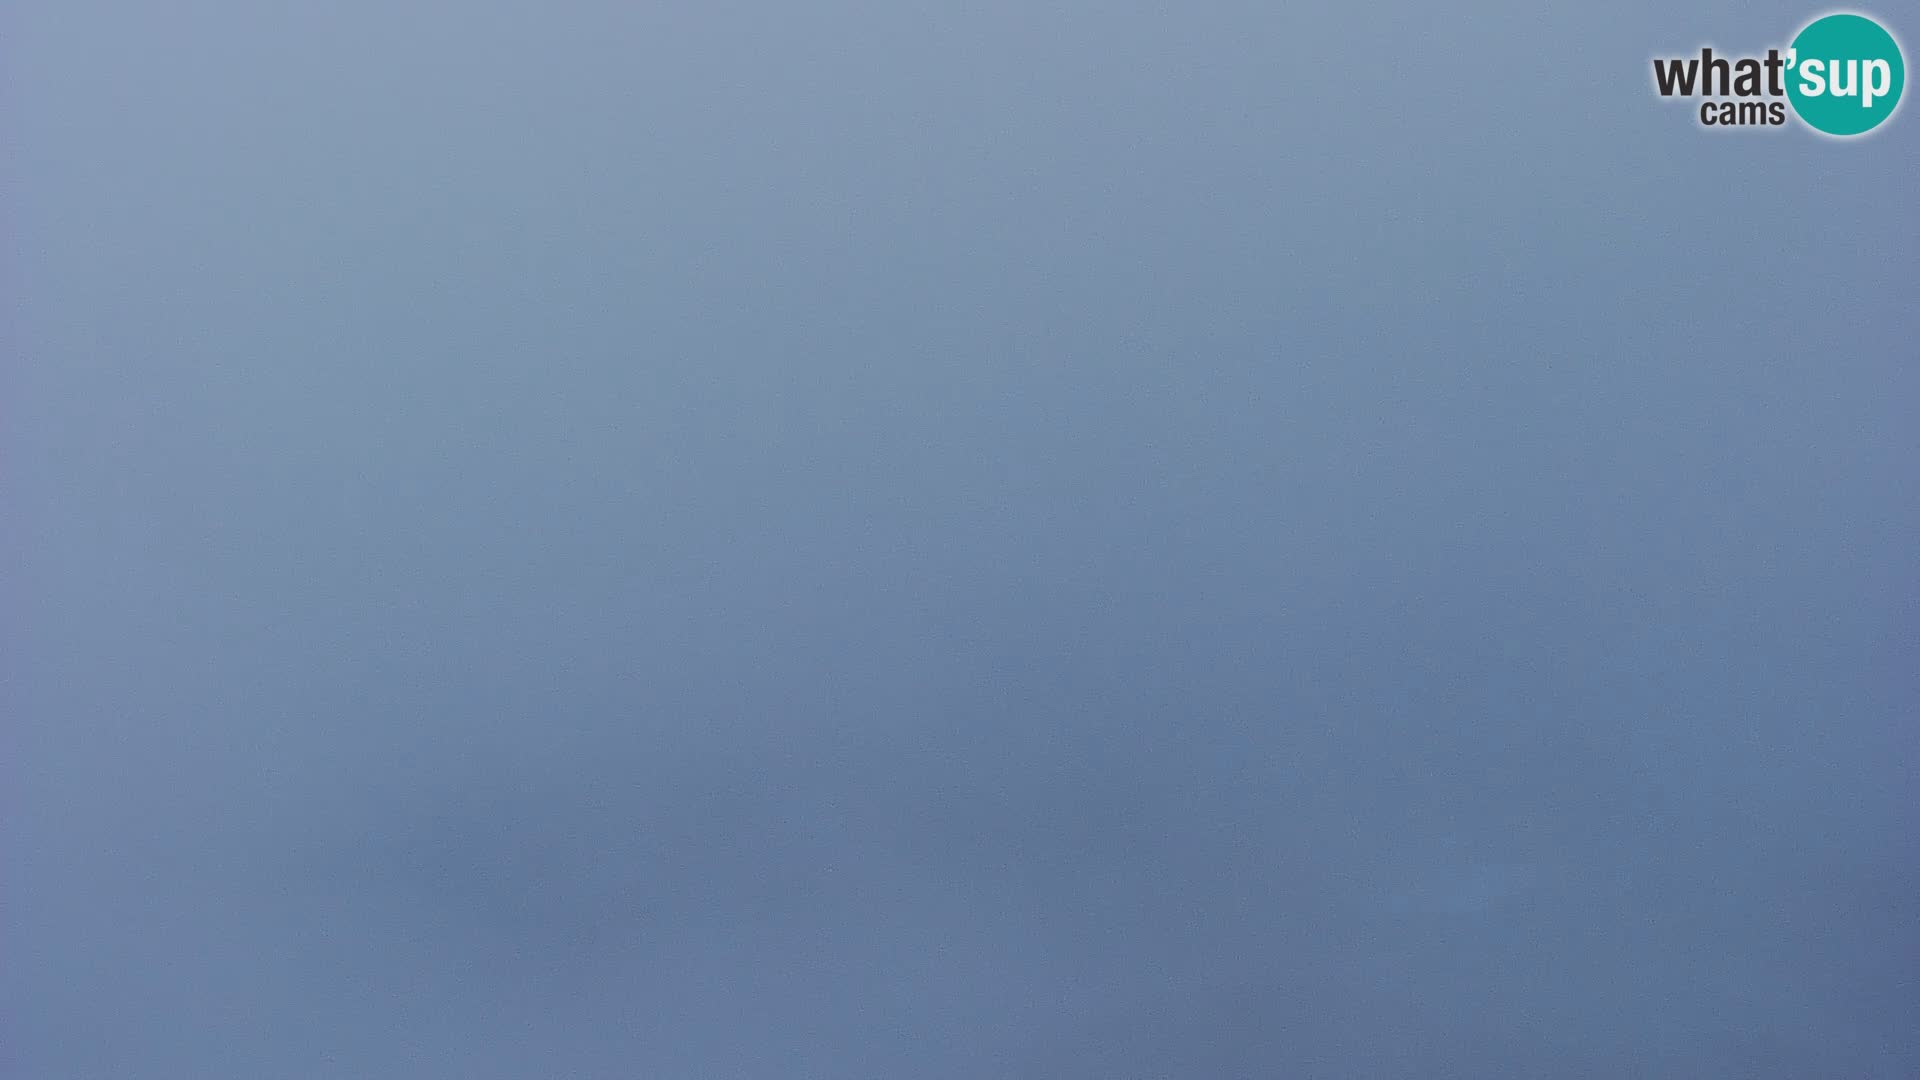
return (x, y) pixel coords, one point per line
(893, 540)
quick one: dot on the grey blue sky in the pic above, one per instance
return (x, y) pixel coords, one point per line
(1087, 541)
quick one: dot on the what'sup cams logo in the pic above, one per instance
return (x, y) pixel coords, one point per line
(1842, 76)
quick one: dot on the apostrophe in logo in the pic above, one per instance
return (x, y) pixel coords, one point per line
(1846, 74)
(1842, 76)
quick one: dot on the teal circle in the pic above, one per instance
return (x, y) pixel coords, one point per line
(1849, 53)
